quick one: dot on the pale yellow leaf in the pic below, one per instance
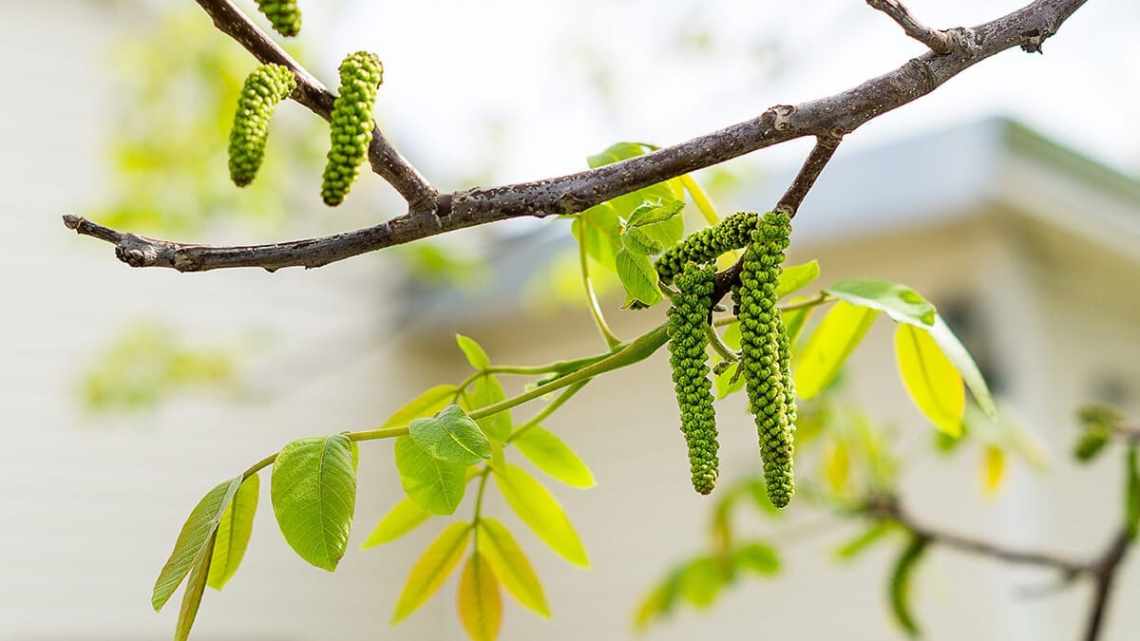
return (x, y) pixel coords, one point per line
(932, 381)
(479, 602)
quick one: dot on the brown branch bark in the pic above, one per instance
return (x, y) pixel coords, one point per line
(937, 40)
(310, 92)
(832, 116)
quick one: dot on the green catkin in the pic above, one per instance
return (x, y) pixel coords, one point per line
(765, 354)
(688, 340)
(284, 15)
(351, 124)
(263, 89)
(705, 245)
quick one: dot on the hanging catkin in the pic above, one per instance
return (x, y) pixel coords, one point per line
(351, 124)
(263, 89)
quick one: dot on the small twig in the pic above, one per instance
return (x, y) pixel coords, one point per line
(1105, 571)
(310, 92)
(939, 41)
(817, 159)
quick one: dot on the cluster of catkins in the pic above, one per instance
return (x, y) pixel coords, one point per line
(765, 350)
(351, 122)
(284, 15)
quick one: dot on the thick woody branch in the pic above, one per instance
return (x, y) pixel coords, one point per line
(940, 42)
(832, 116)
(310, 92)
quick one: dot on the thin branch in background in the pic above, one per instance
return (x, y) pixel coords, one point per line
(940, 42)
(834, 115)
(1105, 571)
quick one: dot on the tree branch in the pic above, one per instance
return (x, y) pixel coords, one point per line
(1104, 572)
(938, 41)
(832, 116)
(310, 92)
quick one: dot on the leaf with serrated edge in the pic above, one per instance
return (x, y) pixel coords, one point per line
(314, 497)
(511, 565)
(543, 514)
(551, 455)
(233, 533)
(404, 517)
(930, 379)
(478, 600)
(196, 532)
(432, 569)
(451, 436)
(436, 485)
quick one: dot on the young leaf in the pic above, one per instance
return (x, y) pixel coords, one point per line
(757, 557)
(538, 508)
(829, 346)
(660, 602)
(479, 602)
(486, 390)
(900, 302)
(962, 360)
(1131, 491)
(599, 228)
(451, 436)
(701, 581)
(432, 569)
(796, 276)
(192, 596)
(729, 381)
(551, 455)
(993, 469)
(864, 540)
(899, 587)
(654, 211)
(930, 378)
(511, 565)
(233, 533)
(837, 467)
(436, 485)
(193, 540)
(427, 403)
(639, 276)
(404, 517)
(474, 352)
(794, 322)
(314, 496)
(639, 242)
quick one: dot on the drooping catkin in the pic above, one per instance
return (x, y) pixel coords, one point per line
(765, 354)
(688, 340)
(351, 124)
(705, 245)
(284, 15)
(263, 89)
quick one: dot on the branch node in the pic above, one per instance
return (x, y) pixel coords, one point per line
(939, 41)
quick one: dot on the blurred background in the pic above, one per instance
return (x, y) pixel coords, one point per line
(1009, 198)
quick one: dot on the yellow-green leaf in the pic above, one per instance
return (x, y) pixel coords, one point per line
(930, 378)
(474, 352)
(193, 539)
(837, 467)
(993, 469)
(432, 569)
(795, 277)
(436, 485)
(486, 390)
(233, 533)
(511, 565)
(899, 587)
(314, 496)
(542, 513)
(956, 352)
(427, 403)
(192, 596)
(404, 517)
(829, 346)
(551, 455)
(479, 602)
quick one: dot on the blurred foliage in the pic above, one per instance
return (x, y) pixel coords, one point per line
(149, 363)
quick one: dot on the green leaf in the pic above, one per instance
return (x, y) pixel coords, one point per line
(451, 436)
(864, 540)
(639, 242)
(617, 152)
(474, 352)
(795, 277)
(757, 557)
(1099, 422)
(964, 363)
(192, 596)
(668, 232)
(660, 602)
(600, 229)
(427, 403)
(233, 533)
(511, 565)
(794, 322)
(1131, 491)
(314, 496)
(485, 391)
(930, 378)
(542, 513)
(729, 382)
(404, 517)
(900, 584)
(701, 581)
(639, 276)
(654, 211)
(551, 455)
(479, 602)
(432, 569)
(829, 346)
(436, 485)
(900, 302)
(193, 540)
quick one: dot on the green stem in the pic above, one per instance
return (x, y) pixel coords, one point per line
(547, 411)
(484, 474)
(592, 298)
(701, 199)
(719, 345)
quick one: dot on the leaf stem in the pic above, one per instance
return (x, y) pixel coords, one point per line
(592, 298)
(547, 411)
(701, 199)
(719, 346)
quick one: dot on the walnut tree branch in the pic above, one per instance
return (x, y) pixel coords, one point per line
(834, 115)
(310, 92)
(940, 42)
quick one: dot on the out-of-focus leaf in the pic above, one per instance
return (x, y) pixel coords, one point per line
(1131, 491)
(900, 585)
(659, 603)
(864, 540)
(930, 378)
(538, 508)
(405, 516)
(232, 536)
(1099, 422)
(436, 485)
(796, 277)
(479, 602)
(830, 344)
(837, 467)
(193, 540)
(551, 455)
(432, 569)
(758, 558)
(701, 581)
(314, 496)
(427, 403)
(993, 469)
(511, 565)
(794, 322)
